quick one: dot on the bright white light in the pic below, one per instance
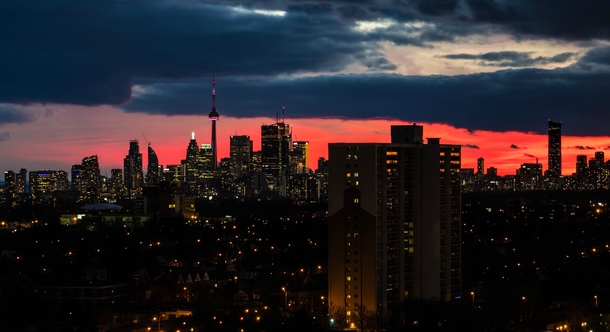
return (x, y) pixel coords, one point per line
(368, 26)
(266, 12)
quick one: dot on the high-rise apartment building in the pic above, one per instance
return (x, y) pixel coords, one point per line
(9, 182)
(21, 180)
(554, 149)
(394, 222)
(132, 168)
(91, 176)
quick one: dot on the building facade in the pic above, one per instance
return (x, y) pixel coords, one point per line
(394, 222)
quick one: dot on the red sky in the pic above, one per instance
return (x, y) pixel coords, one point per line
(58, 139)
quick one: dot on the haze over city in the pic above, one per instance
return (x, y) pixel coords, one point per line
(84, 78)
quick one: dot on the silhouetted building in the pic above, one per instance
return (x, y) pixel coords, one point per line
(394, 222)
(276, 142)
(132, 169)
(152, 174)
(554, 149)
(214, 116)
(241, 152)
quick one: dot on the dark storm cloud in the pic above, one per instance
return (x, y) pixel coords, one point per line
(5, 136)
(470, 146)
(511, 59)
(581, 147)
(89, 52)
(491, 101)
(513, 146)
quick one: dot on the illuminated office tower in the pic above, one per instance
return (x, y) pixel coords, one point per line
(214, 116)
(132, 169)
(42, 182)
(190, 170)
(9, 182)
(554, 149)
(152, 173)
(21, 179)
(301, 150)
(241, 152)
(205, 163)
(394, 222)
(276, 142)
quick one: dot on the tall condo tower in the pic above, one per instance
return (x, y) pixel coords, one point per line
(394, 215)
(554, 148)
(214, 117)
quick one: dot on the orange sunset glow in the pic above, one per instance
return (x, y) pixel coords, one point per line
(76, 132)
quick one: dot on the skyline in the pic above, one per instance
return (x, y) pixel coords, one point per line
(84, 78)
(58, 155)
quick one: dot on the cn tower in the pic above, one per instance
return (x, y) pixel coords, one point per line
(214, 117)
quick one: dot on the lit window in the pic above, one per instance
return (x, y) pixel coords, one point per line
(349, 278)
(355, 175)
(349, 296)
(356, 200)
(349, 313)
(348, 175)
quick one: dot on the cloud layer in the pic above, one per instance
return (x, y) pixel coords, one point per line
(317, 58)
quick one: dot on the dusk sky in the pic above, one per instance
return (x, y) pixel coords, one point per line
(79, 78)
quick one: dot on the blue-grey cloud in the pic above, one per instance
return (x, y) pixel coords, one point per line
(90, 52)
(5, 136)
(15, 114)
(511, 58)
(491, 101)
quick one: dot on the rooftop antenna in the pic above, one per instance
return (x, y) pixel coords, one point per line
(283, 118)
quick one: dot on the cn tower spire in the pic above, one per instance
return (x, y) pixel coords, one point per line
(214, 117)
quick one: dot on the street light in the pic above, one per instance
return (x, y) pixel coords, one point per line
(472, 293)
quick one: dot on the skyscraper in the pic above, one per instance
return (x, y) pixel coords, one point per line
(581, 163)
(132, 168)
(276, 142)
(554, 149)
(152, 174)
(91, 177)
(9, 182)
(190, 163)
(21, 180)
(480, 167)
(394, 222)
(241, 152)
(214, 117)
(301, 149)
